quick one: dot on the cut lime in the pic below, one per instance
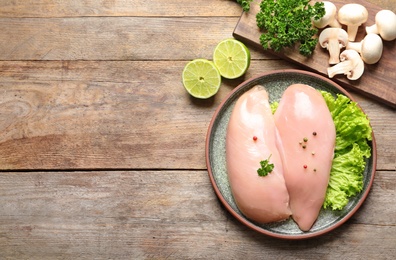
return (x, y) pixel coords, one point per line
(201, 78)
(232, 58)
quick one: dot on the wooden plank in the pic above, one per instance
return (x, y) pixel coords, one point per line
(378, 80)
(113, 38)
(77, 8)
(384, 128)
(100, 115)
(138, 214)
(79, 115)
(84, 114)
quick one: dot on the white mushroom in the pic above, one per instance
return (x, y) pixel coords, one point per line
(370, 48)
(351, 65)
(333, 39)
(329, 19)
(352, 15)
(385, 25)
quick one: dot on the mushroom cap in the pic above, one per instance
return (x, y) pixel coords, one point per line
(386, 24)
(329, 16)
(333, 33)
(371, 50)
(352, 14)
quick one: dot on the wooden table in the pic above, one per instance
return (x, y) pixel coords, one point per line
(102, 151)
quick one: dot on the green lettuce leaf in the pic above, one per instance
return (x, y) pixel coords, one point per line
(353, 133)
(274, 106)
(346, 178)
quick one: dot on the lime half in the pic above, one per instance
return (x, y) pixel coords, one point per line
(232, 58)
(201, 78)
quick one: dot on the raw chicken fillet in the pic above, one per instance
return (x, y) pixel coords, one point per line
(251, 138)
(307, 134)
(298, 139)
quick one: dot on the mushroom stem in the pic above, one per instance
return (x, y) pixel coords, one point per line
(372, 29)
(335, 24)
(334, 51)
(340, 68)
(352, 31)
(357, 46)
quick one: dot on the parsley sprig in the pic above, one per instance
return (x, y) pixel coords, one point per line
(266, 167)
(287, 22)
(245, 4)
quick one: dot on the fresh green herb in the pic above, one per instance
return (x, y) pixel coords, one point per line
(245, 4)
(287, 22)
(353, 133)
(266, 167)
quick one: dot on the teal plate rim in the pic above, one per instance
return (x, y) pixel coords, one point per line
(276, 82)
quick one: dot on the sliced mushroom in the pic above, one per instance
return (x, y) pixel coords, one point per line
(333, 39)
(351, 65)
(352, 15)
(370, 48)
(329, 19)
(385, 25)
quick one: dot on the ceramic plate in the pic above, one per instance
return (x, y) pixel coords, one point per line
(276, 82)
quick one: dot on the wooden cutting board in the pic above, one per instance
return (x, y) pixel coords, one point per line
(378, 80)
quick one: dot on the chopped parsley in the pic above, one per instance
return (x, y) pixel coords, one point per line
(287, 22)
(245, 4)
(266, 167)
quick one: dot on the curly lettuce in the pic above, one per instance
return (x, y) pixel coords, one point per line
(353, 133)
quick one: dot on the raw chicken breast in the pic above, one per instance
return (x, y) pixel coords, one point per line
(307, 146)
(251, 138)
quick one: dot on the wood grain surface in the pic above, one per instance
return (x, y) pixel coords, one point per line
(377, 81)
(102, 151)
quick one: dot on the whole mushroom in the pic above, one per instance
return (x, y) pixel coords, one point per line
(333, 39)
(352, 15)
(329, 19)
(351, 65)
(385, 25)
(370, 48)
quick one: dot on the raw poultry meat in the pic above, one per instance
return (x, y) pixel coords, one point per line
(307, 134)
(251, 138)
